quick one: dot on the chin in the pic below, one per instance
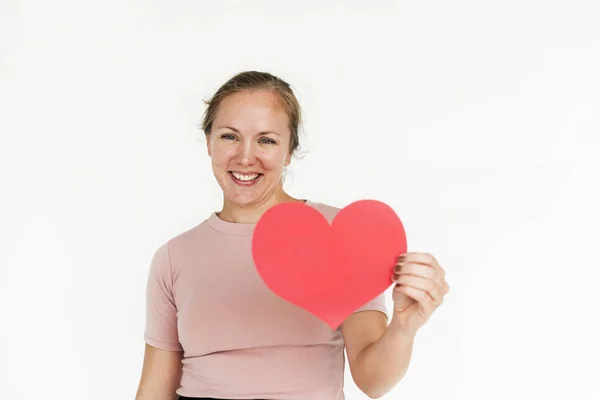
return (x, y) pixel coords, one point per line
(247, 199)
(243, 201)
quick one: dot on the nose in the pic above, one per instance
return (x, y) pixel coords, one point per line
(246, 154)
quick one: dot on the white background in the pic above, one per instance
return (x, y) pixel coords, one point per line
(477, 121)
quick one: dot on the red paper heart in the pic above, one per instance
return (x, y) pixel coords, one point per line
(328, 270)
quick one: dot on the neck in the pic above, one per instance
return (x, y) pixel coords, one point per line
(250, 214)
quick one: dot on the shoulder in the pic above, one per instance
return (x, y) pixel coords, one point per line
(184, 241)
(328, 211)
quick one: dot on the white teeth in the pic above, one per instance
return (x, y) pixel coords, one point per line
(245, 178)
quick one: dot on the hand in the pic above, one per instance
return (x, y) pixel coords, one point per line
(420, 289)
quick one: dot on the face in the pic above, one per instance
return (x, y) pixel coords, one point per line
(249, 147)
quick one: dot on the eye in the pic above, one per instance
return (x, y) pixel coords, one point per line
(228, 136)
(266, 140)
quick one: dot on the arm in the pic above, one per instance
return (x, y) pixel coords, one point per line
(378, 354)
(161, 374)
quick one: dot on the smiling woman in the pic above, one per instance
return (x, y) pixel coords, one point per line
(251, 136)
(213, 328)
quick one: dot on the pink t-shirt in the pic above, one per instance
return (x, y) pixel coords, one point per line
(240, 341)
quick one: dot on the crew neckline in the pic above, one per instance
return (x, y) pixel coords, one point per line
(238, 228)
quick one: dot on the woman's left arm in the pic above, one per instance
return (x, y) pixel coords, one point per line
(379, 354)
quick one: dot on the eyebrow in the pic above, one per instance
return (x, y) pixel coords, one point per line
(259, 133)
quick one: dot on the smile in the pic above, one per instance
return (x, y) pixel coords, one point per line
(244, 179)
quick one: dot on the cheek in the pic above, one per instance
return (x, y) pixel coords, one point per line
(221, 157)
(274, 159)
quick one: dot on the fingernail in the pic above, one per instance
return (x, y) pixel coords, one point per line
(397, 269)
(401, 258)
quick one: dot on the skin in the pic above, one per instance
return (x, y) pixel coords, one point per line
(379, 356)
(251, 134)
(238, 142)
(245, 148)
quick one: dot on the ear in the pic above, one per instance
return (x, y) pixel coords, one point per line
(288, 160)
(208, 145)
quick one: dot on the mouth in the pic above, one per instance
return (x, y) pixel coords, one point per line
(244, 179)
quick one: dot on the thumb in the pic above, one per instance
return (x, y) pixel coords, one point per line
(401, 300)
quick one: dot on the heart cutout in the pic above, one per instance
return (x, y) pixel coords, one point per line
(328, 270)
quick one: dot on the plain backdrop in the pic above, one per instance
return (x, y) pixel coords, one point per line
(477, 121)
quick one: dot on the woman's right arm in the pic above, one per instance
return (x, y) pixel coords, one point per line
(161, 374)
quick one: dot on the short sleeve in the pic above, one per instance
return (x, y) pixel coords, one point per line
(161, 312)
(377, 304)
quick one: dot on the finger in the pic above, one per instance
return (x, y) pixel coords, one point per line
(420, 270)
(419, 258)
(424, 259)
(415, 269)
(425, 302)
(428, 286)
(442, 273)
(442, 280)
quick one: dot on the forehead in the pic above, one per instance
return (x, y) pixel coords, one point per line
(248, 108)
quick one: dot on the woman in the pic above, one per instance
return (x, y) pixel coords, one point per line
(214, 330)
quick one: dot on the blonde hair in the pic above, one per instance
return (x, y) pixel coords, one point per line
(254, 81)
